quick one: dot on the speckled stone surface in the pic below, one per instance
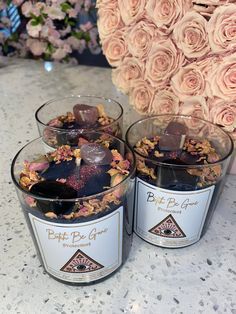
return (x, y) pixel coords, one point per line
(197, 279)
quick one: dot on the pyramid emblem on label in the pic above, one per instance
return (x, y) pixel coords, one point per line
(168, 228)
(81, 263)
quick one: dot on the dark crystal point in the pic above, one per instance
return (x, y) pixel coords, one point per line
(170, 142)
(95, 154)
(54, 190)
(176, 128)
(85, 114)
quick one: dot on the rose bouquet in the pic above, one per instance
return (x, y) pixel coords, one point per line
(54, 29)
(173, 56)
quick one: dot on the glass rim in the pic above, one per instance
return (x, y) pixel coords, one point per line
(77, 96)
(77, 199)
(166, 164)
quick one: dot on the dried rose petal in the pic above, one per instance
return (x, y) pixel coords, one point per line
(56, 123)
(38, 166)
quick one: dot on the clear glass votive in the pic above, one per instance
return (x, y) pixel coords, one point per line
(78, 205)
(181, 165)
(58, 125)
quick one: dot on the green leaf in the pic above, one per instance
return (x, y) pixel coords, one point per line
(33, 16)
(35, 22)
(5, 48)
(50, 49)
(78, 35)
(65, 6)
(66, 20)
(71, 23)
(14, 37)
(86, 36)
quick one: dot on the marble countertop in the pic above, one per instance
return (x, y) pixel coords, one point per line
(196, 279)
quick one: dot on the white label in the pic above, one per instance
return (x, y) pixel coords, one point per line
(81, 252)
(170, 218)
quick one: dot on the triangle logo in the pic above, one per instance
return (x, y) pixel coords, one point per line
(81, 263)
(168, 228)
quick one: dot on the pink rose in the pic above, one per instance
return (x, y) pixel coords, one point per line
(104, 3)
(195, 106)
(73, 13)
(166, 13)
(163, 61)
(29, 8)
(55, 12)
(204, 10)
(190, 35)
(233, 136)
(115, 48)
(140, 96)
(130, 69)
(140, 38)
(56, 41)
(188, 82)
(211, 2)
(65, 31)
(131, 10)
(222, 79)
(223, 113)
(109, 21)
(61, 53)
(222, 28)
(74, 42)
(36, 46)
(26, 8)
(33, 31)
(164, 102)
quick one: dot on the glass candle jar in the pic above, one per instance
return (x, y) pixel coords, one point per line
(78, 204)
(61, 120)
(181, 165)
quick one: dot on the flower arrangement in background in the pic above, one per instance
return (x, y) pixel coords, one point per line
(52, 29)
(173, 56)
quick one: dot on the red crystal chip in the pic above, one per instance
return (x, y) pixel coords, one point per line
(79, 179)
(95, 154)
(85, 114)
(176, 128)
(74, 182)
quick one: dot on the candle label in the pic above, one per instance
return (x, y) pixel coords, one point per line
(80, 253)
(170, 218)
